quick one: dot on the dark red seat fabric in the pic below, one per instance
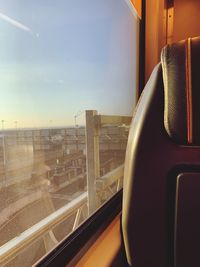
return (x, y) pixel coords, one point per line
(161, 197)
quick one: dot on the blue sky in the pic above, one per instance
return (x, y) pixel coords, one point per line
(59, 57)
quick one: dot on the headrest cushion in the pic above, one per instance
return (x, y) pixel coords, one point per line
(181, 76)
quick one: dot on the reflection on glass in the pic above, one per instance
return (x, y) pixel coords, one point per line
(59, 163)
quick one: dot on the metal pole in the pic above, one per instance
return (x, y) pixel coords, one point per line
(92, 158)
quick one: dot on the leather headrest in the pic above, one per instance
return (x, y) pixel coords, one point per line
(181, 76)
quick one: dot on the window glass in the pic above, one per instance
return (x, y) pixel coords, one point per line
(68, 81)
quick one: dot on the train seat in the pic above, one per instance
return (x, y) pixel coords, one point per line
(161, 197)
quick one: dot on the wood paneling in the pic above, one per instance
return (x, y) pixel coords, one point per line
(186, 19)
(155, 33)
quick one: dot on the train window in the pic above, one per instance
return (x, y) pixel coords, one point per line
(68, 79)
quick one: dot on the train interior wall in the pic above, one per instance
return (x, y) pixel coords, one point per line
(167, 22)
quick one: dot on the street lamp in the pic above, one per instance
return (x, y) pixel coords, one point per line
(79, 113)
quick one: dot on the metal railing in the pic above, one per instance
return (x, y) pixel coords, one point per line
(110, 183)
(43, 228)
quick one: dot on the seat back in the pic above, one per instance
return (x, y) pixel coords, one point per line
(161, 197)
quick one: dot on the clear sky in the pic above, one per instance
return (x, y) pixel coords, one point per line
(58, 57)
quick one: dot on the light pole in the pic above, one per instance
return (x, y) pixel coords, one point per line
(79, 113)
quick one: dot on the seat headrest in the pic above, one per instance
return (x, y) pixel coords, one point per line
(181, 76)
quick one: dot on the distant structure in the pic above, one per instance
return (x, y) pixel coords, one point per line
(28, 151)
